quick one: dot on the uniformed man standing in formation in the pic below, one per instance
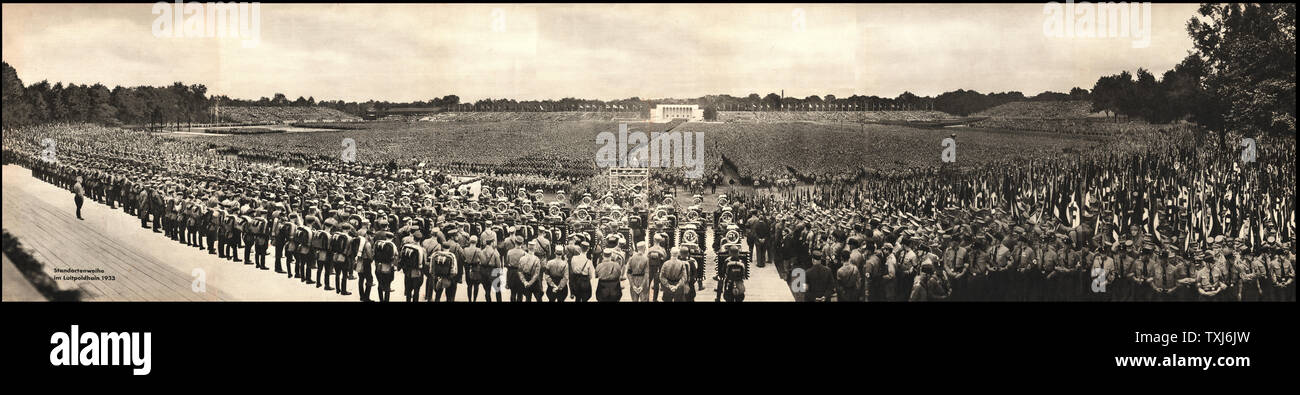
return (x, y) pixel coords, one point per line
(529, 271)
(556, 275)
(473, 267)
(731, 280)
(580, 271)
(609, 276)
(78, 197)
(412, 263)
(386, 260)
(674, 277)
(656, 256)
(638, 267)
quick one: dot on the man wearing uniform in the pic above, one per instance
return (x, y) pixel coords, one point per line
(283, 229)
(247, 235)
(673, 276)
(305, 259)
(212, 217)
(473, 273)
(513, 279)
(556, 275)
(431, 246)
(259, 230)
(445, 268)
(580, 271)
(731, 282)
(386, 259)
(1219, 270)
(1208, 282)
(905, 271)
(320, 249)
(364, 256)
(490, 267)
(637, 268)
(609, 276)
(954, 266)
(848, 283)
(999, 279)
(529, 271)
(1249, 270)
(412, 263)
(235, 237)
(886, 270)
(656, 256)
(78, 196)
(820, 283)
(345, 254)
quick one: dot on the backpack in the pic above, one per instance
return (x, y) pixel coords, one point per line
(384, 253)
(283, 232)
(442, 264)
(410, 258)
(339, 245)
(303, 240)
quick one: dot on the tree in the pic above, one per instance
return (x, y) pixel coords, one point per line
(1249, 51)
(772, 100)
(17, 108)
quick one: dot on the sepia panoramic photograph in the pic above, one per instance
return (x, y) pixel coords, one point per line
(483, 153)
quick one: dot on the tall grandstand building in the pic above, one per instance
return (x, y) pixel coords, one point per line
(668, 112)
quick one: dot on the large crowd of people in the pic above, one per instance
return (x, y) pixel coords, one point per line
(1146, 216)
(281, 114)
(831, 116)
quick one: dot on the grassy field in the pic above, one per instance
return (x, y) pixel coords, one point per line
(810, 148)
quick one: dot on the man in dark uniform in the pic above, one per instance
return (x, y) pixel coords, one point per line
(580, 270)
(473, 272)
(319, 244)
(609, 276)
(212, 217)
(820, 283)
(530, 273)
(491, 268)
(513, 278)
(413, 263)
(657, 256)
(444, 267)
(246, 235)
(731, 280)
(344, 256)
(364, 253)
(386, 259)
(555, 273)
(637, 268)
(259, 229)
(282, 229)
(673, 277)
(306, 254)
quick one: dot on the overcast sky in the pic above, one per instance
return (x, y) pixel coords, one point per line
(600, 51)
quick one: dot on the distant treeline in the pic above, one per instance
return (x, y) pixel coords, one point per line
(1240, 75)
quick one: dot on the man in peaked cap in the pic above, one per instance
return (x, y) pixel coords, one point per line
(260, 229)
(656, 257)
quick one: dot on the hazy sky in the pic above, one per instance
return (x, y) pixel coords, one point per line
(601, 51)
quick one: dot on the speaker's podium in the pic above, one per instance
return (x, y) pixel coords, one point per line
(628, 178)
